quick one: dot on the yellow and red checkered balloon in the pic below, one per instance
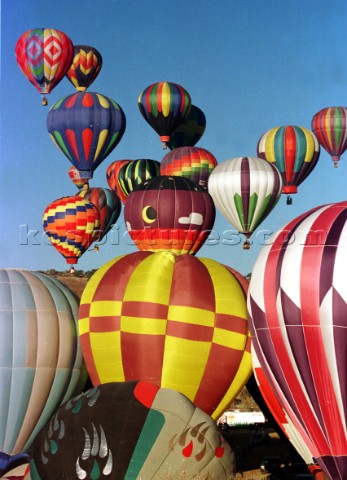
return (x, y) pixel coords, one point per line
(177, 321)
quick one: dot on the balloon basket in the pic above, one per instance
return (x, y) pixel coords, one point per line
(246, 245)
(289, 200)
(44, 102)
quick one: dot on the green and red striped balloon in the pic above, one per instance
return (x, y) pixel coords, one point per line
(330, 127)
(164, 105)
(295, 152)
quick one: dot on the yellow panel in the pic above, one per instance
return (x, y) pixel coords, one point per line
(229, 339)
(105, 308)
(184, 364)
(103, 340)
(230, 298)
(151, 279)
(145, 326)
(192, 315)
(165, 99)
(107, 355)
(270, 145)
(83, 325)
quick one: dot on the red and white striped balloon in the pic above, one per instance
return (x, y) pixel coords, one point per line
(297, 304)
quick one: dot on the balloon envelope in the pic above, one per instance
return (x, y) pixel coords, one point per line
(130, 430)
(41, 364)
(143, 317)
(108, 205)
(298, 316)
(76, 177)
(169, 214)
(295, 152)
(245, 190)
(330, 127)
(86, 127)
(189, 132)
(85, 67)
(44, 55)
(136, 172)
(71, 224)
(164, 106)
(195, 163)
(112, 177)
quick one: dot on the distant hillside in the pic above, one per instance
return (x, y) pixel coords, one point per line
(75, 281)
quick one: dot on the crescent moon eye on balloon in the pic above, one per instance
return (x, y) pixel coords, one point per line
(179, 212)
(44, 55)
(149, 214)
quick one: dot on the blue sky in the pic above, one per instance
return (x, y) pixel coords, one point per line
(250, 65)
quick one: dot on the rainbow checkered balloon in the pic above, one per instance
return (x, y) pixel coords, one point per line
(71, 224)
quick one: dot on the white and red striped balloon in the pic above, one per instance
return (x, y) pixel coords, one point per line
(297, 304)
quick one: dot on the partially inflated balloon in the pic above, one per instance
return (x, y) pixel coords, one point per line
(135, 173)
(195, 163)
(164, 106)
(40, 363)
(169, 214)
(76, 177)
(189, 132)
(295, 152)
(108, 205)
(85, 67)
(131, 430)
(330, 127)
(175, 320)
(297, 304)
(71, 224)
(112, 177)
(86, 127)
(245, 190)
(44, 56)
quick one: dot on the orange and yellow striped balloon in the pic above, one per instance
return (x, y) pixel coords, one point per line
(177, 321)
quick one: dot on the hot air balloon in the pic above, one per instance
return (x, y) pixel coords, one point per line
(14, 467)
(295, 152)
(112, 177)
(85, 67)
(130, 430)
(164, 105)
(330, 127)
(136, 172)
(44, 55)
(71, 224)
(169, 214)
(76, 178)
(177, 321)
(283, 421)
(297, 305)
(86, 127)
(189, 132)
(195, 163)
(245, 190)
(41, 361)
(108, 205)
